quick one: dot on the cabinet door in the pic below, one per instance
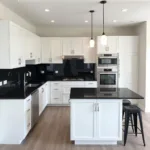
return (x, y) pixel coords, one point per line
(15, 46)
(56, 51)
(37, 49)
(82, 120)
(109, 120)
(89, 53)
(46, 50)
(77, 46)
(100, 47)
(67, 46)
(112, 44)
(40, 101)
(111, 47)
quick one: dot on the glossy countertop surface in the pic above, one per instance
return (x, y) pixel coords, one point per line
(103, 93)
(21, 92)
(17, 92)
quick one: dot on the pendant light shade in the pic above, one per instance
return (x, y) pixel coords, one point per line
(92, 42)
(103, 37)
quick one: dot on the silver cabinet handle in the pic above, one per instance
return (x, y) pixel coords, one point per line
(56, 98)
(94, 105)
(28, 110)
(50, 59)
(42, 90)
(30, 55)
(19, 61)
(56, 89)
(97, 107)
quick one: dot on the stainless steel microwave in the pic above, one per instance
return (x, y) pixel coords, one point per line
(107, 59)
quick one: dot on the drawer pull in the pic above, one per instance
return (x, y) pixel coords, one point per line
(28, 100)
(56, 98)
(56, 89)
(28, 110)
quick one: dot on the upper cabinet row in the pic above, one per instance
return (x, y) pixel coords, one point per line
(53, 49)
(17, 45)
(115, 44)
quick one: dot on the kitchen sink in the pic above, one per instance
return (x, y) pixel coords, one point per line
(32, 85)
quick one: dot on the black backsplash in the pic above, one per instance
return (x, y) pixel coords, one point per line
(69, 68)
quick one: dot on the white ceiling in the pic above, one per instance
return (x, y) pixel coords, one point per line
(75, 12)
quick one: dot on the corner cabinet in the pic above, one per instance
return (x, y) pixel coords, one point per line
(89, 121)
(12, 42)
(111, 47)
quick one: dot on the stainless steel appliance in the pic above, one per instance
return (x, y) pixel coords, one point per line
(107, 59)
(107, 77)
(34, 108)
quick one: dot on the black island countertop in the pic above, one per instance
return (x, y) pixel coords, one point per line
(103, 93)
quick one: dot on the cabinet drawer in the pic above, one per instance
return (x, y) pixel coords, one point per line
(56, 94)
(56, 84)
(56, 100)
(28, 103)
(66, 98)
(91, 84)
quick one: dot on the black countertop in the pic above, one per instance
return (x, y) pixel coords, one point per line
(18, 92)
(103, 93)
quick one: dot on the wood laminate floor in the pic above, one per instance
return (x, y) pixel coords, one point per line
(53, 133)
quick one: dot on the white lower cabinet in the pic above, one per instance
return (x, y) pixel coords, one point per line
(59, 92)
(56, 93)
(96, 120)
(83, 122)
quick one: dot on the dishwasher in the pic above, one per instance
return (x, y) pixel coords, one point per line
(34, 108)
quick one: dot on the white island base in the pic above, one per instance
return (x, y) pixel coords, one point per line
(96, 122)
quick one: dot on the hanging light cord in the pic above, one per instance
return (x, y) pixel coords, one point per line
(103, 20)
(92, 25)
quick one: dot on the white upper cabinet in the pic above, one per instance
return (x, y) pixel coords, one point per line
(11, 45)
(111, 47)
(56, 50)
(89, 53)
(37, 49)
(67, 46)
(46, 50)
(72, 46)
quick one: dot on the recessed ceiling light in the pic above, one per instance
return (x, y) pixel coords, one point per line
(114, 21)
(124, 10)
(47, 10)
(52, 21)
(86, 21)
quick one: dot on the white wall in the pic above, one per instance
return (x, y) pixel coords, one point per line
(46, 31)
(141, 32)
(7, 14)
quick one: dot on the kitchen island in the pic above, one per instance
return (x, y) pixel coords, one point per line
(96, 114)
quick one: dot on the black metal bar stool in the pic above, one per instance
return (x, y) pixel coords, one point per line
(126, 102)
(135, 111)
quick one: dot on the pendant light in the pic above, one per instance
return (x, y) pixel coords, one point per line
(92, 42)
(103, 37)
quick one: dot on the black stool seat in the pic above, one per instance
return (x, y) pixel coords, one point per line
(126, 102)
(134, 111)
